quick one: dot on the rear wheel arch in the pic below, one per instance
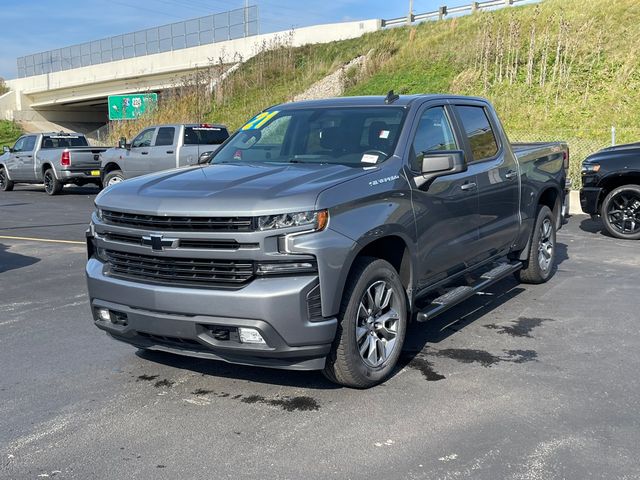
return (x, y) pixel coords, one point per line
(47, 166)
(552, 198)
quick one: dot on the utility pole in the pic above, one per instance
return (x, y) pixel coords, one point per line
(410, 15)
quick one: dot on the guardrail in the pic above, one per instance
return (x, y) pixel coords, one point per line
(443, 11)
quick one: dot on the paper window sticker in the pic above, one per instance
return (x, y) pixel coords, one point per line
(369, 158)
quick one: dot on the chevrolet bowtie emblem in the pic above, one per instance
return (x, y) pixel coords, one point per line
(158, 242)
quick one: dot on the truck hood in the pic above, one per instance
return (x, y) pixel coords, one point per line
(230, 189)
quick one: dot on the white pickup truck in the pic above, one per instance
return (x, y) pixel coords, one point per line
(54, 159)
(161, 147)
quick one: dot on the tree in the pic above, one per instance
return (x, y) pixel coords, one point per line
(3, 87)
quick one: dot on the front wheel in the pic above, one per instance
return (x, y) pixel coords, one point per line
(621, 212)
(372, 323)
(538, 267)
(52, 185)
(6, 185)
(113, 177)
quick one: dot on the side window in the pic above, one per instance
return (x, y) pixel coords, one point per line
(29, 143)
(434, 133)
(143, 139)
(165, 136)
(479, 132)
(18, 147)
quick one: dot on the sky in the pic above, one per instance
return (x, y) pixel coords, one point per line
(32, 26)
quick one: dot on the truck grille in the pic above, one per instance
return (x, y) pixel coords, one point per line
(179, 271)
(196, 243)
(206, 224)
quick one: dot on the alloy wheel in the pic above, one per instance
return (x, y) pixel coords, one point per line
(377, 323)
(546, 245)
(48, 182)
(624, 212)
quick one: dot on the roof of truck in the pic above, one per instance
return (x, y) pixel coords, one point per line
(371, 101)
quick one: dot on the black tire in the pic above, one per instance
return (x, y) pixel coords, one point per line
(620, 212)
(113, 177)
(6, 185)
(358, 327)
(541, 257)
(52, 185)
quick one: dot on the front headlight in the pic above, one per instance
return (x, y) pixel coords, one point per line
(315, 220)
(588, 168)
(99, 213)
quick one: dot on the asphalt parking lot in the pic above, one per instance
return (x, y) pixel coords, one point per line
(527, 382)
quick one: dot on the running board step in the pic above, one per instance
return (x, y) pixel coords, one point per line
(460, 294)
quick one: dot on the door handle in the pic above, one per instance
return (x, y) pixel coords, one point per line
(169, 151)
(144, 153)
(468, 186)
(511, 174)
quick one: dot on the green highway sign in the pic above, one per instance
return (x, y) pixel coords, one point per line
(130, 107)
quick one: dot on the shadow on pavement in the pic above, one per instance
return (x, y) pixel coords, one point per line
(590, 225)
(216, 368)
(445, 325)
(67, 190)
(14, 261)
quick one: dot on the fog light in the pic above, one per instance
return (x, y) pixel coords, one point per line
(104, 315)
(250, 335)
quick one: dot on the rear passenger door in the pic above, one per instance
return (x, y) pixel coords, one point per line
(163, 152)
(446, 209)
(497, 178)
(136, 161)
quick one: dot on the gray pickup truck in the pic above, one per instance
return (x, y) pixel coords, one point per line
(54, 159)
(321, 229)
(162, 147)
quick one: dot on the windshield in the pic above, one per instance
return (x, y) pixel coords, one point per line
(63, 141)
(357, 136)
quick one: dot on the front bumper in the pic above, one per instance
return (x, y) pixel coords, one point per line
(188, 321)
(590, 199)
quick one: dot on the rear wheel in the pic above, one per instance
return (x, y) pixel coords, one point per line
(621, 212)
(113, 177)
(538, 267)
(371, 328)
(6, 185)
(52, 185)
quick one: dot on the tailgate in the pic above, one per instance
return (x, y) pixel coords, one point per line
(85, 158)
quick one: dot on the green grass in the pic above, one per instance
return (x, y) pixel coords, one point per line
(9, 132)
(557, 70)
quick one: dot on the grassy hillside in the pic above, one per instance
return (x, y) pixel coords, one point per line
(560, 69)
(9, 132)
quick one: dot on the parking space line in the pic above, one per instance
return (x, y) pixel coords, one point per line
(46, 240)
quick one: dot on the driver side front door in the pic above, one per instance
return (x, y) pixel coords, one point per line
(136, 160)
(446, 209)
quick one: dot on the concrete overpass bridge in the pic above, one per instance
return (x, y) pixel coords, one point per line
(76, 98)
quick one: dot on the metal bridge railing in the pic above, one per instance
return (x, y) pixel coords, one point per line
(242, 22)
(443, 11)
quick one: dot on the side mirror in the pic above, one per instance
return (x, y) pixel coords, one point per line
(122, 143)
(439, 164)
(6, 149)
(205, 157)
